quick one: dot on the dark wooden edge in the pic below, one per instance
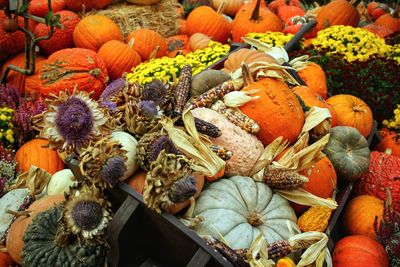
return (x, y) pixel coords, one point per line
(118, 222)
(297, 37)
(171, 219)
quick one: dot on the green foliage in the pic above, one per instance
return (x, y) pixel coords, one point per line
(375, 80)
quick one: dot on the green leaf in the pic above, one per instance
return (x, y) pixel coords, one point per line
(48, 18)
(56, 20)
(23, 8)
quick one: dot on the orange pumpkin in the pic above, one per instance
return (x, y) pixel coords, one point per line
(79, 5)
(137, 182)
(389, 22)
(206, 20)
(11, 43)
(95, 30)
(391, 142)
(287, 12)
(119, 58)
(72, 67)
(235, 59)
(230, 8)
(381, 31)
(33, 153)
(322, 181)
(40, 7)
(358, 251)
(198, 41)
(254, 20)
(359, 215)
(16, 79)
(146, 41)
(314, 77)
(352, 111)
(17, 230)
(5, 260)
(62, 38)
(337, 12)
(32, 83)
(277, 110)
(311, 99)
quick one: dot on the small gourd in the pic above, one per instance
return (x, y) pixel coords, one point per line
(10, 201)
(285, 262)
(315, 219)
(129, 144)
(60, 182)
(206, 80)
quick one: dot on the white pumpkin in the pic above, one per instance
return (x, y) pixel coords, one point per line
(239, 209)
(129, 144)
(60, 182)
(10, 201)
(246, 148)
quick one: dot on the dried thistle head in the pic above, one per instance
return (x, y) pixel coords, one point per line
(86, 213)
(103, 162)
(183, 189)
(71, 121)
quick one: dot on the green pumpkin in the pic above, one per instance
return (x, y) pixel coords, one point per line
(41, 250)
(349, 153)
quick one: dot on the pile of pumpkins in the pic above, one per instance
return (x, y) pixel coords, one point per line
(95, 46)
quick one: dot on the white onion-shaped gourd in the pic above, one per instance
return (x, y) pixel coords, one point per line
(10, 201)
(129, 144)
(60, 182)
(239, 209)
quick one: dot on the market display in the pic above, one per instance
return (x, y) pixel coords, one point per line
(270, 130)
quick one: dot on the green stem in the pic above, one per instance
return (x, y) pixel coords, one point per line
(356, 3)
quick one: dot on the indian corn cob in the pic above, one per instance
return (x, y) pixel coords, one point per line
(284, 179)
(222, 152)
(203, 127)
(236, 117)
(182, 89)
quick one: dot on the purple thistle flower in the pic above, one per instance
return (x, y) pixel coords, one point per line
(113, 88)
(161, 143)
(148, 108)
(183, 189)
(113, 170)
(155, 91)
(87, 214)
(74, 121)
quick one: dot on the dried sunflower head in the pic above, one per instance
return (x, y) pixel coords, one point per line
(103, 162)
(71, 121)
(86, 213)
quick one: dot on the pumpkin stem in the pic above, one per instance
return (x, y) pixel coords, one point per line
(17, 214)
(255, 16)
(255, 219)
(154, 52)
(246, 73)
(131, 43)
(220, 9)
(355, 4)
(359, 109)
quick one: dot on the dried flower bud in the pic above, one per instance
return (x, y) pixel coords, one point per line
(183, 189)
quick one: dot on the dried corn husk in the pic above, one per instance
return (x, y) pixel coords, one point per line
(161, 17)
(35, 180)
(239, 98)
(192, 144)
(314, 243)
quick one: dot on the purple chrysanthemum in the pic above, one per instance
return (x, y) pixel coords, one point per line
(148, 108)
(74, 121)
(87, 215)
(113, 170)
(183, 189)
(113, 88)
(161, 143)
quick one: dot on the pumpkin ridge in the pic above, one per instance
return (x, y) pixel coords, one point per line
(269, 229)
(237, 201)
(224, 208)
(245, 208)
(241, 196)
(234, 227)
(267, 200)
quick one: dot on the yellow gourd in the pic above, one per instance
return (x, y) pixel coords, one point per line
(315, 219)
